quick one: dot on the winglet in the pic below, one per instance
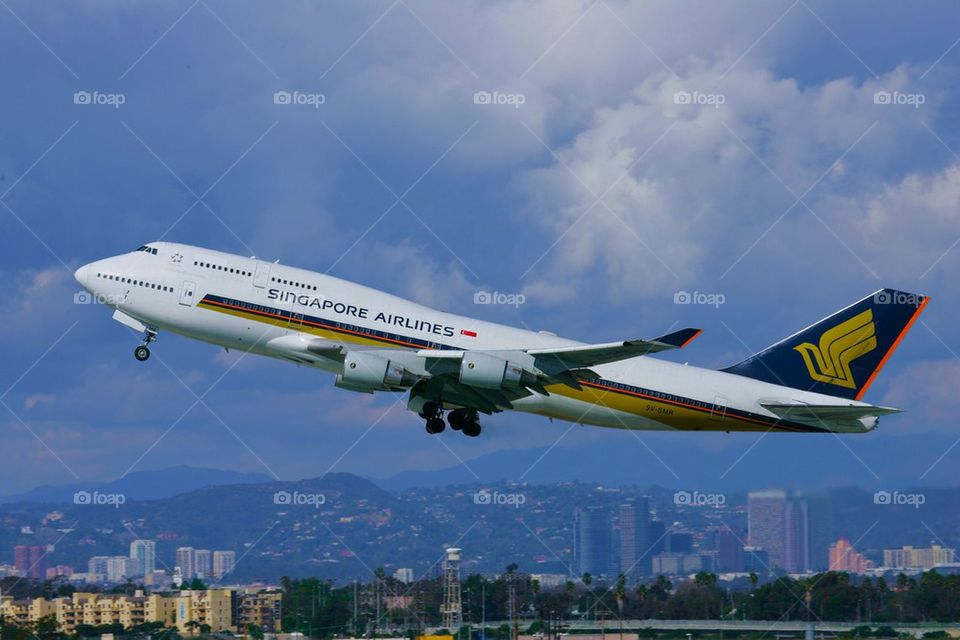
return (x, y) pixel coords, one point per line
(679, 339)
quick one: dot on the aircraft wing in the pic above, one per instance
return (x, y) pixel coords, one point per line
(585, 356)
(517, 372)
(488, 380)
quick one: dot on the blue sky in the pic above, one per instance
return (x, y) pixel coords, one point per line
(785, 185)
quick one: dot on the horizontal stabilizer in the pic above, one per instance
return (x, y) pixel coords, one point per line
(801, 411)
(835, 417)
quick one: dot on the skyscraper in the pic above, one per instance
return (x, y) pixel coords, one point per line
(797, 534)
(30, 561)
(634, 530)
(223, 562)
(729, 550)
(592, 553)
(766, 522)
(185, 561)
(143, 556)
(820, 528)
(203, 563)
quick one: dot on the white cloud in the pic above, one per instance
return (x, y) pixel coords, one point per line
(928, 390)
(720, 176)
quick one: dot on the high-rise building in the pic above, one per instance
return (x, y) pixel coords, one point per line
(185, 560)
(634, 530)
(404, 575)
(797, 533)
(756, 560)
(143, 556)
(30, 561)
(820, 531)
(592, 551)
(909, 557)
(843, 557)
(729, 548)
(119, 568)
(97, 565)
(679, 542)
(658, 537)
(21, 559)
(203, 563)
(766, 521)
(223, 563)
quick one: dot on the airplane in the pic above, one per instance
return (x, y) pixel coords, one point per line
(459, 367)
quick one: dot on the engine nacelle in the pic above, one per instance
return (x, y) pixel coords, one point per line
(363, 371)
(489, 372)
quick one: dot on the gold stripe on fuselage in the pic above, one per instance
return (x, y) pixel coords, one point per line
(671, 414)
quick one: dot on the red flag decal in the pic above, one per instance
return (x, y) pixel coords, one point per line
(468, 333)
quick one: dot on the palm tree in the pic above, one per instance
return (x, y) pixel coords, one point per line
(587, 579)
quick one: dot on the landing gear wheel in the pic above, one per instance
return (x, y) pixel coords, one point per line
(472, 429)
(141, 353)
(435, 425)
(430, 410)
(457, 418)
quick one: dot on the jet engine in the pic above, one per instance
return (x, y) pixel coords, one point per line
(369, 372)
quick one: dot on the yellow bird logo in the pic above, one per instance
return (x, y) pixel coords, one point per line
(830, 361)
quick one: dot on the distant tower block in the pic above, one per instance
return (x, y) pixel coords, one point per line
(452, 605)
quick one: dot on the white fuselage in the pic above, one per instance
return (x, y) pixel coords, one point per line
(269, 309)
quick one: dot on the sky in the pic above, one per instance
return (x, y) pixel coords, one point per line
(592, 159)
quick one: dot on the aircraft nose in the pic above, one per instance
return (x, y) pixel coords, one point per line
(81, 274)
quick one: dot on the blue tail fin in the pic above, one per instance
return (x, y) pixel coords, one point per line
(842, 354)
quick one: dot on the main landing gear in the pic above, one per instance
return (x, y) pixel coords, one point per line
(142, 352)
(464, 420)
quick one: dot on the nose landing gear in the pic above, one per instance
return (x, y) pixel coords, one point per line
(142, 352)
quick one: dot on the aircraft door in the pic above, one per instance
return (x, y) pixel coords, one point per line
(719, 408)
(261, 275)
(187, 293)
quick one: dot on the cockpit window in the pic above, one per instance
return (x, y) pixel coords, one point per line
(144, 247)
